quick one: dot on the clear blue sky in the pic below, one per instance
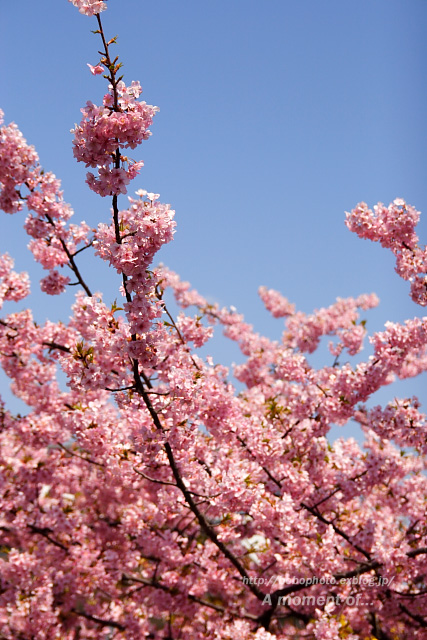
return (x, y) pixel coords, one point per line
(275, 117)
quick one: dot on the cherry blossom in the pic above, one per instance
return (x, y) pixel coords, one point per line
(149, 491)
(121, 123)
(89, 7)
(96, 70)
(394, 228)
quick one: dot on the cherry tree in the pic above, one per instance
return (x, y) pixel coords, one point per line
(151, 499)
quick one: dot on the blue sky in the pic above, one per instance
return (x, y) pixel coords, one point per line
(275, 117)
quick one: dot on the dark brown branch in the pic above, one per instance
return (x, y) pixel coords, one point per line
(379, 633)
(166, 482)
(45, 532)
(100, 621)
(337, 530)
(186, 492)
(158, 585)
(119, 389)
(71, 260)
(109, 64)
(87, 246)
(339, 488)
(204, 524)
(179, 334)
(421, 621)
(73, 453)
(55, 345)
(266, 471)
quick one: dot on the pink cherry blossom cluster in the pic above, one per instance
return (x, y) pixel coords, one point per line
(89, 7)
(13, 286)
(143, 495)
(305, 331)
(274, 302)
(400, 421)
(53, 241)
(143, 229)
(394, 228)
(121, 123)
(98, 359)
(54, 283)
(100, 511)
(334, 391)
(16, 160)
